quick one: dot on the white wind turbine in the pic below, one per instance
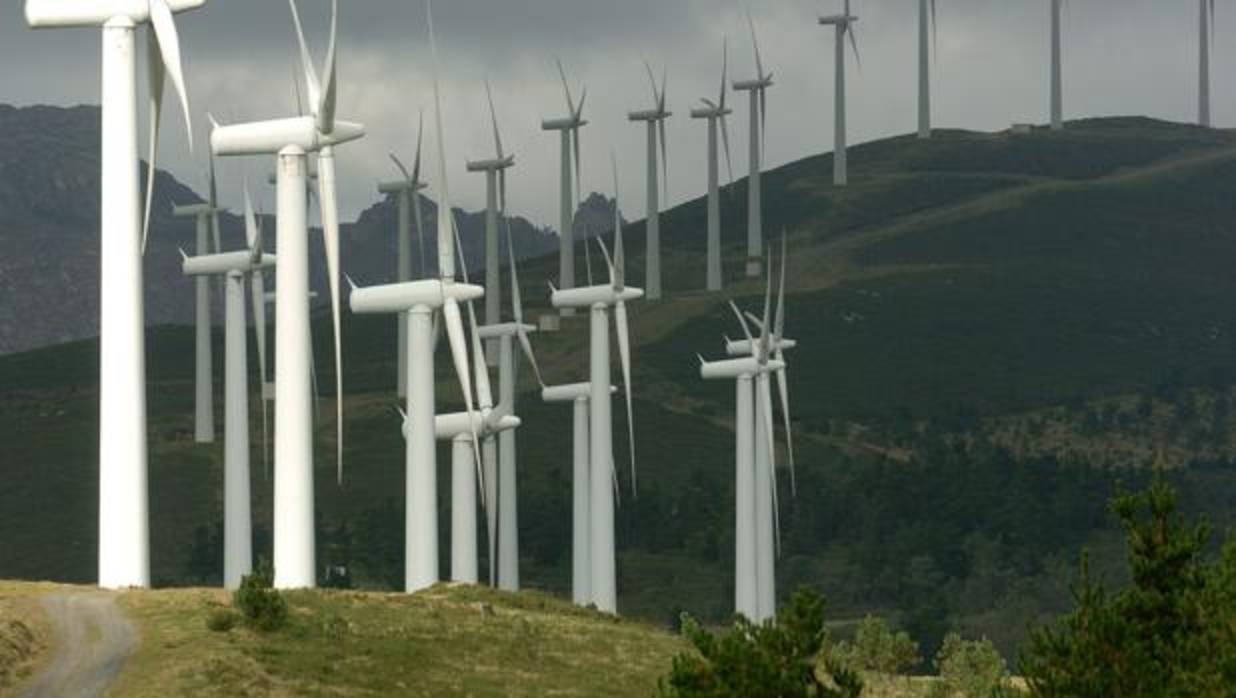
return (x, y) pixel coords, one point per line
(927, 28)
(757, 88)
(206, 217)
(568, 128)
(716, 112)
(292, 139)
(655, 119)
(407, 192)
(420, 300)
(1057, 79)
(495, 206)
(844, 26)
(235, 267)
(754, 486)
(598, 299)
(1205, 36)
(124, 526)
(499, 459)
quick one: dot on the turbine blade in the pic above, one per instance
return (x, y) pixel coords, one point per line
(154, 75)
(608, 261)
(402, 170)
(300, 101)
(620, 258)
(725, 70)
(306, 63)
(579, 194)
(214, 206)
(652, 81)
(763, 123)
(764, 407)
(588, 263)
(624, 355)
(326, 111)
(746, 329)
(566, 88)
(725, 139)
(446, 258)
(518, 305)
(257, 288)
(858, 60)
(493, 114)
(483, 391)
(459, 354)
(169, 50)
(502, 191)
(664, 163)
(935, 33)
(330, 238)
(779, 323)
(420, 135)
(251, 228)
(784, 389)
(766, 323)
(755, 43)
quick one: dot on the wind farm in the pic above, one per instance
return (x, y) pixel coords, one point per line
(1008, 340)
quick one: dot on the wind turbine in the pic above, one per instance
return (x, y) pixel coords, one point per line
(124, 526)
(926, 26)
(758, 91)
(292, 139)
(420, 300)
(716, 112)
(499, 458)
(655, 119)
(599, 299)
(407, 192)
(235, 267)
(755, 475)
(844, 26)
(568, 127)
(1206, 33)
(495, 198)
(1057, 80)
(204, 403)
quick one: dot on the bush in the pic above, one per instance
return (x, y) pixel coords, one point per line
(779, 659)
(1171, 634)
(972, 668)
(877, 648)
(221, 620)
(262, 606)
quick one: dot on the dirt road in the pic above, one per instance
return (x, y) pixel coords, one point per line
(93, 640)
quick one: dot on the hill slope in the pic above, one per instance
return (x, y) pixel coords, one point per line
(989, 322)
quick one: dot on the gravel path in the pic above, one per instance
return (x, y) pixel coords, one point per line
(93, 640)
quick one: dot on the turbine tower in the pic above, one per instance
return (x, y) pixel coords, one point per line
(568, 127)
(124, 526)
(235, 267)
(844, 26)
(292, 139)
(599, 299)
(203, 379)
(499, 458)
(1205, 35)
(407, 194)
(757, 89)
(655, 119)
(716, 112)
(420, 300)
(927, 29)
(1057, 80)
(495, 206)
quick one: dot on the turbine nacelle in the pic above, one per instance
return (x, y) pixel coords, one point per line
(506, 329)
(399, 186)
(563, 124)
(588, 296)
(225, 263)
(710, 112)
(194, 210)
(401, 297)
(737, 368)
(649, 115)
(748, 85)
(270, 137)
(745, 347)
(43, 14)
(839, 20)
(491, 164)
(460, 424)
(570, 392)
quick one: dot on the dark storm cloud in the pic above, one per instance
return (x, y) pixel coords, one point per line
(1122, 57)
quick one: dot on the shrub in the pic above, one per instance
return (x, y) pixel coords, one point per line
(877, 648)
(1171, 634)
(778, 659)
(221, 620)
(972, 668)
(262, 606)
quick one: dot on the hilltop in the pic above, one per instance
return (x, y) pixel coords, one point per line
(996, 328)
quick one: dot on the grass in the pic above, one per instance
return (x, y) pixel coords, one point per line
(25, 634)
(446, 641)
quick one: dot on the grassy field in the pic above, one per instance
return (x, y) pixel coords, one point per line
(974, 279)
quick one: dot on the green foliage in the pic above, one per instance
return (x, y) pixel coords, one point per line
(263, 607)
(779, 659)
(876, 647)
(972, 668)
(221, 620)
(1171, 634)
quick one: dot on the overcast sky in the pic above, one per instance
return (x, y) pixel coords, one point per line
(1121, 57)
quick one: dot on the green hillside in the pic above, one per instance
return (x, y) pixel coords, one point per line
(995, 329)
